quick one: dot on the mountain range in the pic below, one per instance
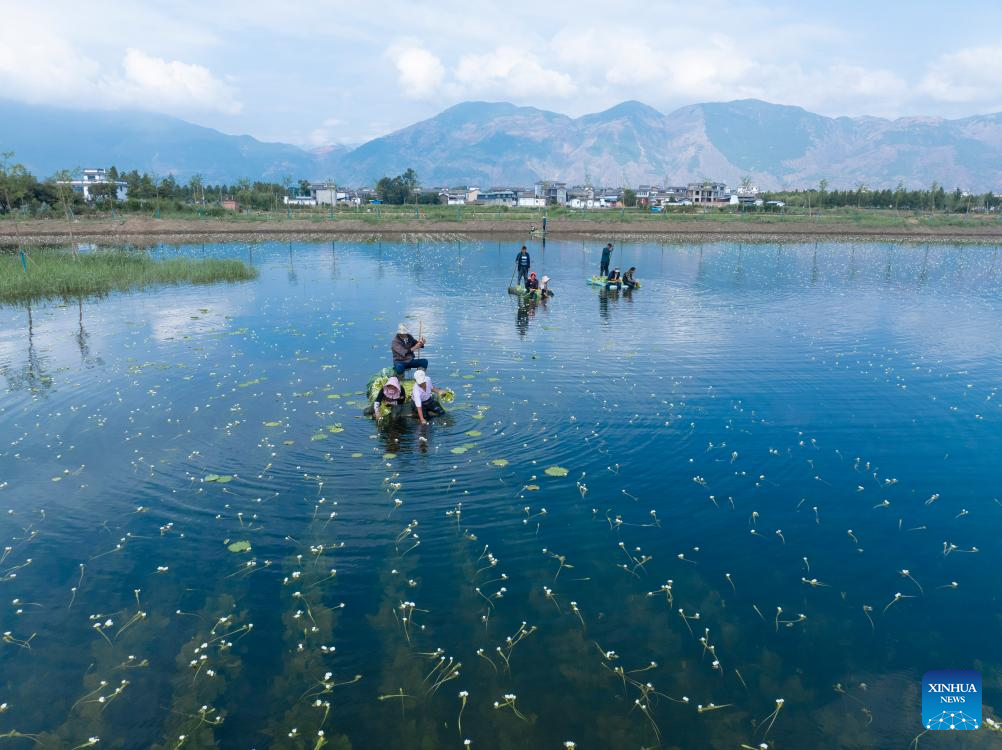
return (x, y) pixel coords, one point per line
(496, 143)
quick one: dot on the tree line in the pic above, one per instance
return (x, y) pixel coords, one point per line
(933, 198)
(21, 191)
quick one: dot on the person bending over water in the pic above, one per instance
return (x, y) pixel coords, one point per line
(628, 280)
(404, 346)
(532, 282)
(425, 396)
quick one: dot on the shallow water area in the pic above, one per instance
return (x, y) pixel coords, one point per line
(779, 509)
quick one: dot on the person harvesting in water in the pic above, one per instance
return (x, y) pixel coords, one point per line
(425, 398)
(628, 280)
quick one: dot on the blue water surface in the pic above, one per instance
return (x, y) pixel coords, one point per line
(773, 501)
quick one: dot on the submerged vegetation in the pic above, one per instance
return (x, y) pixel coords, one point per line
(53, 273)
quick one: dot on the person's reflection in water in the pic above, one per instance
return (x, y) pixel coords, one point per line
(603, 303)
(522, 319)
(390, 432)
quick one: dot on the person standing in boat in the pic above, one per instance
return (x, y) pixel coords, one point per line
(404, 347)
(628, 280)
(425, 397)
(522, 263)
(606, 258)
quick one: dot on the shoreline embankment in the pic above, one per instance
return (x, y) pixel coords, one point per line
(143, 230)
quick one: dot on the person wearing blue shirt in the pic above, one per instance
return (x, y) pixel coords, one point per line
(522, 263)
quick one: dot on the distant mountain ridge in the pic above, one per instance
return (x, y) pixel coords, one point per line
(632, 143)
(498, 143)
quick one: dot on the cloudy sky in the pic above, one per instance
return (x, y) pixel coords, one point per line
(320, 72)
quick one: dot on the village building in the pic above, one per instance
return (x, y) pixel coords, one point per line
(554, 193)
(498, 197)
(94, 183)
(708, 192)
(529, 199)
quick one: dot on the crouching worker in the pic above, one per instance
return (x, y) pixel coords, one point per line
(391, 396)
(628, 281)
(404, 347)
(425, 396)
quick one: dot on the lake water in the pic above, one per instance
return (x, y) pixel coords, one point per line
(758, 444)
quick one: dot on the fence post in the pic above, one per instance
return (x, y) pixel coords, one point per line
(24, 263)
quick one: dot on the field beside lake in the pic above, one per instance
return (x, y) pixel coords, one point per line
(468, 220)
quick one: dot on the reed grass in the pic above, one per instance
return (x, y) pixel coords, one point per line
(57, 274)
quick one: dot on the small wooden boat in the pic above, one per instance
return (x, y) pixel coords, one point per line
(603, 281)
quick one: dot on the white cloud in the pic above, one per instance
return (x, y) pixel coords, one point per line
(420, 73)
(969, 75)
(38, 64)
(168, 85)
(325, 134)
(510, 72)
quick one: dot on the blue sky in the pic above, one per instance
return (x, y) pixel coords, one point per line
(322, 72)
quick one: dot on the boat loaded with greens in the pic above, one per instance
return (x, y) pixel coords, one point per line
(603, 281)
(398, 402)
(524, 293)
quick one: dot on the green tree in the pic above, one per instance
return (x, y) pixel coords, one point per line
(629, 198)
(197, 188)
(15, 182)
(398, 190)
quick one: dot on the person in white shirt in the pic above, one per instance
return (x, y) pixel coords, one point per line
(424, 396)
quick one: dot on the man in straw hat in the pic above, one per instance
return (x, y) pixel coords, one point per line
(403, 347)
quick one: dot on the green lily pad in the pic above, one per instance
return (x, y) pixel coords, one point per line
(556, 471)
(210, 478)
(356, 455)
(334, 429)
(288, 442)
(241, 546)
(458, 450)
(224, 479)
(318, 436)
(532, 487)
(388, 456)
(500, 462)
(272, 424)
(474, 433)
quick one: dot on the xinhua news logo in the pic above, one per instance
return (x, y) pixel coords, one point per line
(951, 699)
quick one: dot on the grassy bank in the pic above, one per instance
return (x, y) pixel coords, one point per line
(57, 274)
